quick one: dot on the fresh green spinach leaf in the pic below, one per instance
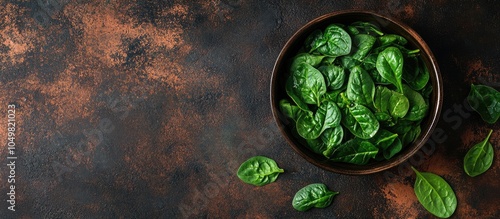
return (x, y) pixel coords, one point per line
(289, 110)
(393, 149)
(291, 91)
(390, 102)
(412, 134)
(479, 158)
(435, 194)
(315, 195)
(259, 171)
(334, 75)
(327, 141)
(314, 40)
(356, 151)
(383, 139)
(348, 62)
(362, 44)
(309, 83)
(310, 125)
(362, 27)
(418, 107)
(301, 58)
(332, 138)
(338, 42)
(389, 39)
(360, 121)
(360, 87)
(415, 73)
(485, 100)
(390, 66)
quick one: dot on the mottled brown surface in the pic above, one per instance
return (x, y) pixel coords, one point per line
(145, 109)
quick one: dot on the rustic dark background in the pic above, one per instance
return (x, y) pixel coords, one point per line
(145, 109)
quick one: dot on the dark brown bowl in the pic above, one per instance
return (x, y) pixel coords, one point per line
(388, 25)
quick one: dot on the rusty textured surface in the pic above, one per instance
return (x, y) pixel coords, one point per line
(145, 109)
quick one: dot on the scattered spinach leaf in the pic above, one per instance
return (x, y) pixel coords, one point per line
(435, 194)
(479, 158)
(315, 195)
(485, 100)
(259, 171)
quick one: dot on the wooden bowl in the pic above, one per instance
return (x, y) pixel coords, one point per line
(388, 25)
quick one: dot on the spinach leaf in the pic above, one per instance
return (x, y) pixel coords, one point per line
(333, 96)
(348, 62)
(310, 125)
(435, 194)
(369, 62)
(393, 149)
(259, 171)
(315, 195)
(370, 65)
(415, 73)
(362, 44)
(390, 66)
(360, 86)
(327, 141)
(289, 87)
(316, 145)
(485, 100)
(338, 42)
(418, 107)
(355, 151)
(389, 39)
(427, 91)
(389, 146)
(361, 27)
(314, 40)
(360, 121)
(402, 127)
(412, 134)
(383, 139)
(479, 158)
(328, 60)
(334, 76)
(301, 58)
(385, 118)
(289, 110)
(332, 138)
(309, 84)
(390, 102)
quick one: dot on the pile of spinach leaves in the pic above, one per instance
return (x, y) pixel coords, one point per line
(356, 94)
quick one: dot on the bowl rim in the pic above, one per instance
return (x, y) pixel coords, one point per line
(434, 111)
